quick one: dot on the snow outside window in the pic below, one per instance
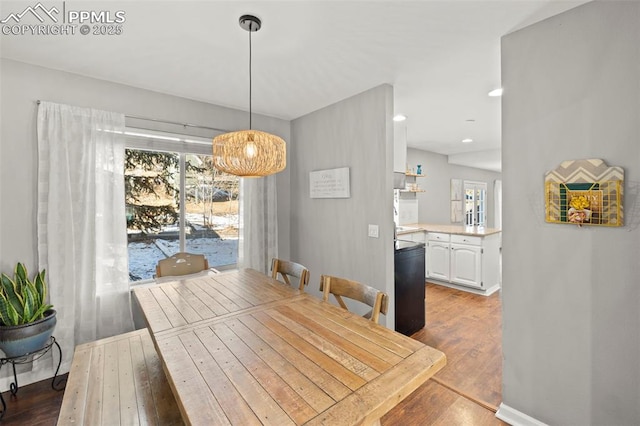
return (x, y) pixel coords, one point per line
(177, 201)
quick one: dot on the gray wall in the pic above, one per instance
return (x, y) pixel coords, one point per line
(434, 204)
(22, 85)
(571, 296)
(329, 236)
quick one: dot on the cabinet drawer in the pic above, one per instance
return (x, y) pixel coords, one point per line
(438, 236)
(466, 239)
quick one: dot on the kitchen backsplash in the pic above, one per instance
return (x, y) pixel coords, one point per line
(407, 211)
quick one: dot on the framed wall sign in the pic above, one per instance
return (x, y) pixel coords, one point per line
(331, 183)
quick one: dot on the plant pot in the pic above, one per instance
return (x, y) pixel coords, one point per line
(18, 340)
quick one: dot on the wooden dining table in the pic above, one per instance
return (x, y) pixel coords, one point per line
(241, 348)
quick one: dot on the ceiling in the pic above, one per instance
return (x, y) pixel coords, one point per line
(442, 57)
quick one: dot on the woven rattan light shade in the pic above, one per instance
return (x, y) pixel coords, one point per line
(249, 153)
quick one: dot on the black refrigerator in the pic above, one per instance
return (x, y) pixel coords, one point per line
(409, 286)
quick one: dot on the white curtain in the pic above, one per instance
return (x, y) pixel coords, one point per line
(82, 240)
(258, 223)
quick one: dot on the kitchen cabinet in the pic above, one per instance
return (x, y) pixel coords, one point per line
(438, 256)
(466, 265)
(469, 261)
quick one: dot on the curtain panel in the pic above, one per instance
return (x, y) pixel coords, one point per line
(258, 242)
(82, 240)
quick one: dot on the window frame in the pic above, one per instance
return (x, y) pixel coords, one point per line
(182, 145)
(479, 204)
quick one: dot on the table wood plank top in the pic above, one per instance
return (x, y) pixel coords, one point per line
(279, 356)
(187, 301)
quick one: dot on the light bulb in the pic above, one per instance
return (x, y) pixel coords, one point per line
(250, 150)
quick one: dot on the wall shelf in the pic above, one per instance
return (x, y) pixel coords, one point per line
(412, 186)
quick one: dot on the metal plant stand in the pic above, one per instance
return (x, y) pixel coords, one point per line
(28, 358)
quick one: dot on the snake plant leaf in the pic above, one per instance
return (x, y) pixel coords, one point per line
(13, 293)
(12, 315)
(4, 316)
(41, 287)
(21, 273)
(39, 314)
(30, 301)
(5, 283)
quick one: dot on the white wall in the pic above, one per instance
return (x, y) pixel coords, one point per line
(329, 236)
(21, 85)
(434, 204)
(571, 296)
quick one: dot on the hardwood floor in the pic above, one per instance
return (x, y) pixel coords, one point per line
(467, 391)
(35, 405)
(466, 327)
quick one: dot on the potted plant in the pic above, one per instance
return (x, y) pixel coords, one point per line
(26, 319)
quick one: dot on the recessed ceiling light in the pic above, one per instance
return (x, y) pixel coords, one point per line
(399, 117)
(496, 92)
(467, 140)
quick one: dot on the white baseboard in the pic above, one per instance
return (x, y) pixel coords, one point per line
(488, 292)
(491, 290)
(515, 417)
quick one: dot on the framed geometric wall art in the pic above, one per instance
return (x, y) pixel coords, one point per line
(585, 192)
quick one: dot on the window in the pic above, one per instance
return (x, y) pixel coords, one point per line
(475, 203)
(177, 201)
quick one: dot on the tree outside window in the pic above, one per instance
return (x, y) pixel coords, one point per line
(178, 202)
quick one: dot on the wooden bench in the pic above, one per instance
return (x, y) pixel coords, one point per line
(116, 381)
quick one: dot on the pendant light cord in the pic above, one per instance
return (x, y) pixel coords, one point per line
(250, 112)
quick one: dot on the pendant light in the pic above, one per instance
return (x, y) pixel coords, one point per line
(249, 153)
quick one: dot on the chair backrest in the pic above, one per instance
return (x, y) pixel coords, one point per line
(290, 269)
(181, 264)
(339, 287)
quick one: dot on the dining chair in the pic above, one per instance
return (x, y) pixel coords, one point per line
(181, 264)
(342, 287)
(290, 269)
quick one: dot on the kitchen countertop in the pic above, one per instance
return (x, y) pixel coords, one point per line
(448, 229)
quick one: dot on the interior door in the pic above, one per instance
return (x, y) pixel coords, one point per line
(475, 203)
